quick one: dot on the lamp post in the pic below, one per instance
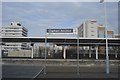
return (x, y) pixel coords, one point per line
(0, 50)
(78, 54)
(45, 53)
(107, 56)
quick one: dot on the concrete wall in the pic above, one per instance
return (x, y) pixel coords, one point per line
(21, 53)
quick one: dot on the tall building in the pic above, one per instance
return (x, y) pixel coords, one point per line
(14, 30)
(91, 29)
(88, 29)
(101, 31)
(110, 34)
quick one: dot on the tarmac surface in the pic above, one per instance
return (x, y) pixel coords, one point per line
(33, 71)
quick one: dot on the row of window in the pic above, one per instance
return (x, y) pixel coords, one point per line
(12, 45)
(12, 28)
(10, 48)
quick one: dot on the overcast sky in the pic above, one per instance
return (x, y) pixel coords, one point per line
(38, 16)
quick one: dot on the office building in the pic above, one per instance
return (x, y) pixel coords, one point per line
(88, 29)
(14, 30)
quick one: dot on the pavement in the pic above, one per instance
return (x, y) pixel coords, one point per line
(32, 71)
(20, 71)
(84, 72)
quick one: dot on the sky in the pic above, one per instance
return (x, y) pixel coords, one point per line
(39, 16)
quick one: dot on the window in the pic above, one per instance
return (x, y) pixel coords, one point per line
(109, 36)
(101, 35)
(92, 27)
(18, 24)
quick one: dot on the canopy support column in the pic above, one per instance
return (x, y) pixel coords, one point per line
(32, 55)
(96, 48)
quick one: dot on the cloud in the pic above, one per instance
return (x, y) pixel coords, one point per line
(38, 16)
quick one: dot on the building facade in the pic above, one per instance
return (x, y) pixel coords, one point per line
(14, 30)
(88, 29)
(110, 34)
(91, 29)
(101, 31)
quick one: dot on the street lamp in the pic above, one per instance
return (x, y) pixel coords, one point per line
(45, 53)
(78, 54)
(107, 56)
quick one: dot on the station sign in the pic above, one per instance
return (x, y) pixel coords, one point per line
(59, 30)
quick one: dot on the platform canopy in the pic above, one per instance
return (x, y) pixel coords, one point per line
(63, 40)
